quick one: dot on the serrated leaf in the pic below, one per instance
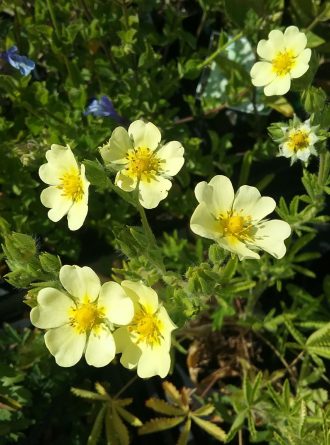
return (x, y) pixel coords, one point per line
(171, 392)
(237, 424)
(129, 417)
(160, 406)
(160, 424)
(279, 439)
(120, 428)
(100, 389)
(123, 402)
(85, 394)
(210, 428)
(97, 427)
(204, 410)
(184, 434)
(320, 337)
(300, 339)
(112, 438)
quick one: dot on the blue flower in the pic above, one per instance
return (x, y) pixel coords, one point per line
(21, 63)
(103, 108)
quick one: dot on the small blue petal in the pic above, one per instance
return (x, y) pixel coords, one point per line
(103, 108)
(21, 63)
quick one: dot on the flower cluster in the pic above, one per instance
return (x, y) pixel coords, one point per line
(95, 320)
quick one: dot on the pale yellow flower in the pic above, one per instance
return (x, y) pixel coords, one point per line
(142, 162)
(68, 191)
(285, 57)
(236, 222)
(80, 320)
(145, 343)
(298, 141)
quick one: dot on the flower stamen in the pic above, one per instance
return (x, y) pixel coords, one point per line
(143, 164)
(147, 327)
(72, 185)
(283, 62)
(86, 316)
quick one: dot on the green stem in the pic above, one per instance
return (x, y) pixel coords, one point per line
(127, 385)
(218, 51)
(53, 18)
(146, 226)
(324, 167)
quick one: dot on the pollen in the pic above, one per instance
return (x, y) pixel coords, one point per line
(71, 185)
(143, 164)
(236, 227)
(298, 140)
(147, 327)
(86, 316)
(283, 62)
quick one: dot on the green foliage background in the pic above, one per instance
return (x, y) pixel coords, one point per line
(148, 56)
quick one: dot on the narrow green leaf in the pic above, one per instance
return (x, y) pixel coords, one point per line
(129, 417)
(204, 410)
(160, 406)
(210, 428)
(160, 424)
(184, 434)
(97, 427)
(120, 428)
(87, 394)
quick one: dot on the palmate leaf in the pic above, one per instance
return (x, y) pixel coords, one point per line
(184, 435)
(319, 342)
(210, 428)
(160, 406)
(160, 424)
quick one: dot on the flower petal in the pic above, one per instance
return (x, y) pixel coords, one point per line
(295, 40)
(153, 362)
(223, 194)
(262, 73)
(172, 154)
(267, 49)
(249, 202)
(141, 294)
(50, 174)
(232, 244)
(60, 205)
(66, 345)
(118, 307)
(279, 86)
(52, 310)
(60, 156)
(122, 339)
(101, 348)
(117, 147)
(125, 182)
(81, 282)
(270, 237)
(299, 70)
(203, 223)
(144, 134)
(154, 191)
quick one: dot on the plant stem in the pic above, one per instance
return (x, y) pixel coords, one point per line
(53, 18)
(146, 226)
(127, 385)
(218, 51)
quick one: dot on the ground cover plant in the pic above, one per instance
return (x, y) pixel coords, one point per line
(164, 223)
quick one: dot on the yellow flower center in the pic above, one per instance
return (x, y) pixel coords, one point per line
(147, 327)
(72, 186)
(86, 316)
(298, 140)
(283, 62)
(143, 164)
(236, 227)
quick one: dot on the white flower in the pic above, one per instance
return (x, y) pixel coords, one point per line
(80, 321)
(68, 191)
(285, 57)
(236, 222)
(142, 162)
(145, 343)
(298, 141)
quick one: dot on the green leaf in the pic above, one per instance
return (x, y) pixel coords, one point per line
(88, 394)
(129, 417)
(205, 410)
(120, 428)
(184, 434)
(210, 428)
(172, 393)
(50, 263)
(160, 424)
(97, 427)
(163, 407)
